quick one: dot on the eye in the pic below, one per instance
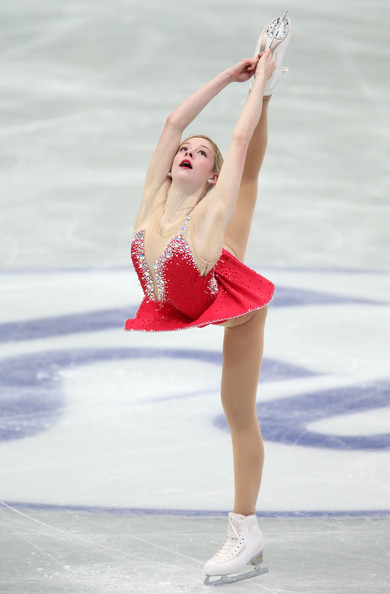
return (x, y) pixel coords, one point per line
(202, 152)
(183, 148)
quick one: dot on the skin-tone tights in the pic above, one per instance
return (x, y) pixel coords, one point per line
(243, 346)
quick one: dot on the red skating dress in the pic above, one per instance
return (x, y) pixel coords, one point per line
(178, 296)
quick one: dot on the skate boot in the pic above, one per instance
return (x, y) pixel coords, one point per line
(276, 36)
(243, 545)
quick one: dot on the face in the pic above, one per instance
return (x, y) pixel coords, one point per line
(194, 162)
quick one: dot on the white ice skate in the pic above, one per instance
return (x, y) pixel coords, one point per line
(275, 36)
(243, 546)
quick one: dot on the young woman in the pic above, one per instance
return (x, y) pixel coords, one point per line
(189, 242)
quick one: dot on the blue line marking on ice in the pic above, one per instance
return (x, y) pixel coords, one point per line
(193, 512)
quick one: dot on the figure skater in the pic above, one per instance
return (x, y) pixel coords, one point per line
(189, 243)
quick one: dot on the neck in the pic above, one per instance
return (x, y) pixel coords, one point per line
(180, 200)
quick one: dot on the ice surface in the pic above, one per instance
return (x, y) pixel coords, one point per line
(113, 450)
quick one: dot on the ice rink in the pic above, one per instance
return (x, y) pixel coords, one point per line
(116, 471)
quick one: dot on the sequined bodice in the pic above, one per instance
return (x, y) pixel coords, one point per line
(176, 278)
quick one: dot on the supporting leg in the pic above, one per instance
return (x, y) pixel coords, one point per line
(242, 357)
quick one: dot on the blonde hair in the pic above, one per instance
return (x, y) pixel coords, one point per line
(218, 158)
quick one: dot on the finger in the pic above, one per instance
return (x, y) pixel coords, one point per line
(253, 64)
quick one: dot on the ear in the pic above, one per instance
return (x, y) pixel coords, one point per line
(213, 179)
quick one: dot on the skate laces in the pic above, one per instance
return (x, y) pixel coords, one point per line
(232, 544)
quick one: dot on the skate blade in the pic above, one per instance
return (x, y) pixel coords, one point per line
(278, 29)
(214, 580)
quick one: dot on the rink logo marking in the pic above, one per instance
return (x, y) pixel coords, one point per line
(31, 398)
(285, 420)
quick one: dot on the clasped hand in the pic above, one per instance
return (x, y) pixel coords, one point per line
(262, 64)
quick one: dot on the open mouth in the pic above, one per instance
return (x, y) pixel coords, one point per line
(186, 163)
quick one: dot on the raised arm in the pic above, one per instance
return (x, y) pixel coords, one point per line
(181, 117)
(222, 199)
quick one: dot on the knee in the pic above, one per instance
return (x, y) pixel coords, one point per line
(241, 421)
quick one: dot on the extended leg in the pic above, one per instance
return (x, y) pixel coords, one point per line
(242, 357)
(237, 232)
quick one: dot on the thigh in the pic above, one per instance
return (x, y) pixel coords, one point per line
(237, 232)
(242, 358)
(260, 314)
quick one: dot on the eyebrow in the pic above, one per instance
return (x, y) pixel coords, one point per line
(203, 145)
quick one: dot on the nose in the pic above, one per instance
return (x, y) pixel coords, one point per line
(189, 153)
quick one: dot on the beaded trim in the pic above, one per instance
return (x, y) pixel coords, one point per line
(138, 245)
(178, 244)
